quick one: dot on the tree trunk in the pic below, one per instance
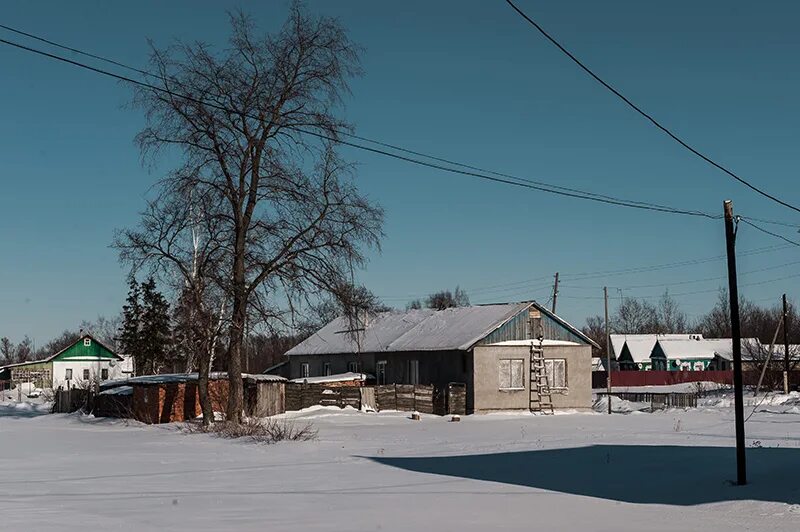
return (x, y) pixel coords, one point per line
(238, 318)
(202, 386)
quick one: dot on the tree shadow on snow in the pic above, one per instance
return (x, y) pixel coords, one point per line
(673, 475)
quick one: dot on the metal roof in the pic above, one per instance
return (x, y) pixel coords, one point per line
(414, 330)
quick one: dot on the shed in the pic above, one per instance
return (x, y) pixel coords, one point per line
(174, 397)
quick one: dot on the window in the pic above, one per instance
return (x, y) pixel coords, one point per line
(380, 370)
(87, 342)
(413, 372)
(556, 371)
(352, 367)
(104, 374)
(510, 372)
(305, 370)
(68, 374)
(326, 368)
(86, 374)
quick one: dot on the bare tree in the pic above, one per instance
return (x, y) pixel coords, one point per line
(595, 329)
(635, 316)
(177, 240)
(257, 126)
(669, 317)
(442, 299)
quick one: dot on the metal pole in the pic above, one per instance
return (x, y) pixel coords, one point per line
(608, 352)
(785, 345)
(555, 293)
(733, 288)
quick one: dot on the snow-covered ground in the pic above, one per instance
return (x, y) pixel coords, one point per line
(668, 470)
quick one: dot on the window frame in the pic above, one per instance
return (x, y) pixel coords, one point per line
(549, 372)
(352, 366)
(305, 370)
(104, 374)
(326, 369)
(87, 342)
(68, 374)
(509, 370)
(86, 374)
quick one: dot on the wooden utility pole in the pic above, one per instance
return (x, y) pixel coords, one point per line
(785, 345)
(733, 289)
(555, 293)
(608, 351)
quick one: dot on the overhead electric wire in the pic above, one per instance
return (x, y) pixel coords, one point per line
(776, 235)
(344, 133)
(647, 116)
(510, 180)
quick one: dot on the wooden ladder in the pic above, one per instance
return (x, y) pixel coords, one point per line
(540, 398)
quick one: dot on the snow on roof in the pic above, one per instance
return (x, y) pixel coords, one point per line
(339, 377)
(170, 378)
(641, 345)
(414, 330)
(704, 348)
(535, 343)
(119, 390)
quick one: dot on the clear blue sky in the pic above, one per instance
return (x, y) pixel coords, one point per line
(467, 80)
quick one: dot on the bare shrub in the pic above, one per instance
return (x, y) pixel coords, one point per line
(259, 431)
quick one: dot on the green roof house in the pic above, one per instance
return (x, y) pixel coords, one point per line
(86, 360)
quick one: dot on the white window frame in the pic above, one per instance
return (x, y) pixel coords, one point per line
(352, 367)
(549, 364)
(87, 342)
(511, 374)
(305, 370)
(326, 369)
(68, 374)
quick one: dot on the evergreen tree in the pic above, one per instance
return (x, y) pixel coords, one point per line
(155, 331)
(130, 332)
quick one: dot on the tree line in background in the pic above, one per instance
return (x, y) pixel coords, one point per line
(104, 329)
(639, 316)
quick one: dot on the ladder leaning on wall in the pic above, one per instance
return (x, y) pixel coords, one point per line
(540, 398)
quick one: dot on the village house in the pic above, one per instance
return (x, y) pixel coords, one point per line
(486, 347)
(632, 351)
(85, 361)
(676, 352)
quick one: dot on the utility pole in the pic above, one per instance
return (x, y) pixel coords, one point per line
(608, 351)
(733, 289)
(555, 293)
(785, 345)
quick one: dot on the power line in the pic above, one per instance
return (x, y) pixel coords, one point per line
(344, 133)
(712, 290)
(511, 180)
(693, 281)
(647, 116)
(776, 235)
(526, 286)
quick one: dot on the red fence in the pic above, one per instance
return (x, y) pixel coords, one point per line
(662, 378)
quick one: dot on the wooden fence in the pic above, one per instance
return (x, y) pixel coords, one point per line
(72, 400)
(659, 401)
(426, 399)
(665, 378)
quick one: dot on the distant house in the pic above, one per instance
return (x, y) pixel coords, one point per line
(86, 360)
(675, 352)
(487, 347)
(632, 351)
